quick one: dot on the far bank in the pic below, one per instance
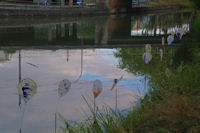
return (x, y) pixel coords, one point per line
(41, 10)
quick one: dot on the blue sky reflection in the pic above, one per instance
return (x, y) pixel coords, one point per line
(47, 68)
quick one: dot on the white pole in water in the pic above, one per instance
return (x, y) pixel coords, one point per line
(20, 130)
(115, 83)
(56, 114)
(67, 55)
(116, 99)
(97, 89)
(94, 109)
(57, 103)
(19, 76)
(55, 122)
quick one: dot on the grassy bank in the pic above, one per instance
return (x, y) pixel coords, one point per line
(172, 107)
(172, 104)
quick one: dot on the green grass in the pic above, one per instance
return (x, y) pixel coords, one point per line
(106, 120)
(172, 104)
(167, 110)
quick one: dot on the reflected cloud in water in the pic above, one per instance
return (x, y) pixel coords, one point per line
(99, 64)
(67, 72)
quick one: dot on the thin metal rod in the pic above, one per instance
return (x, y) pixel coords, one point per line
(19, 76)
(116, 98)
(94, 109)
(55, 122)
(81, 73)
(57, 104)
(67, 55)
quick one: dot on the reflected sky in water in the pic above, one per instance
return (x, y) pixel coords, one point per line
(47, 68)
(47, 57)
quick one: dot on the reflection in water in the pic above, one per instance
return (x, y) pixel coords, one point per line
(96, 89)
(161, 54)
(99, 64)
(63, 88)
(65, 84)
(163, 41)
(147, 55)
(179, 34)
(4, 56)
(58, 49)
(20, 76)
(159, 25)
(113, 86)
(170, 39)
(103, 30)
(27, 89)
(115, 82)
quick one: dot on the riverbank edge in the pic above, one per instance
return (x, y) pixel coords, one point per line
(77, 11)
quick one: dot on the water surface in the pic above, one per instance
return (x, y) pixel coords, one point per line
(80, 50)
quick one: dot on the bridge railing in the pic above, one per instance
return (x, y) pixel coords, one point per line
(140, 3)
(43, 3)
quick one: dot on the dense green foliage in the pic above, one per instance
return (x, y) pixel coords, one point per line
(196, 2)
(173, 103)
(197, 25)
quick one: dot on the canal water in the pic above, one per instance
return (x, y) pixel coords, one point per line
(45, 52)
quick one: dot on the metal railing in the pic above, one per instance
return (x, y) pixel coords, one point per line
(141, 3)
(44, 3)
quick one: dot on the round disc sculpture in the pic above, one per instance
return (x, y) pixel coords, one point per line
(64, 87)
(148, 48)
(147, 55)
(97, 88)
(27, 89)
(170, 39)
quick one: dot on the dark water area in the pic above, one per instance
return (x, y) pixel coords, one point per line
(47, 65)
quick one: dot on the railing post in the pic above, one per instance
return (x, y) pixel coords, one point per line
(15, 3)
